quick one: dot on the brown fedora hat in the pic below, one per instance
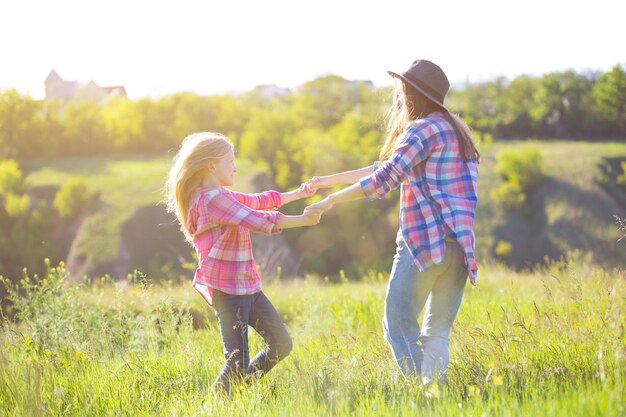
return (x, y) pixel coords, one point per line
(427, 78)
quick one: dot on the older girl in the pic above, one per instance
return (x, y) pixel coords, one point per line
(430, 154)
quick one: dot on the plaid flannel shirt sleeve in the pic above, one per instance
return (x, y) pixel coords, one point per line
(226, 210)
(268, 200)
(413, 148)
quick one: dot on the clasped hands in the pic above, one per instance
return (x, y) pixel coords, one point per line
(308, 189)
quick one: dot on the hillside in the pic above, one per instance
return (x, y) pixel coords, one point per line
(128, 229)
(568, 211)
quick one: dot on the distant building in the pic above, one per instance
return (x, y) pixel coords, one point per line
(59, 89)
(271, 91)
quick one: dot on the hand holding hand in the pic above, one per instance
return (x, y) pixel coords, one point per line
(312, 216)
(306, 190)
(323, 205)
(317, 182)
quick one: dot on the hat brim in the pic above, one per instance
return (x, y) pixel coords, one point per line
(418, 88)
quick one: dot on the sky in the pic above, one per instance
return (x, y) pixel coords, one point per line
(156, 48)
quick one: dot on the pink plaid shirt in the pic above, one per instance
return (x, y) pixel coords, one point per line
(438, 191)
(220, 221)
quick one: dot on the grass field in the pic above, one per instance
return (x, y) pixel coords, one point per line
(545, 341)
(548, 342)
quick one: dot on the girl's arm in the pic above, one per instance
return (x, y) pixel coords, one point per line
(272, 200)
(353, 192)
(310, 217)
(268, 200)
(297, 194)
(341, 178)
(387, 177)
(226, 210)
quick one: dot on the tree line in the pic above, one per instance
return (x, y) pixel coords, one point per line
(567, 104)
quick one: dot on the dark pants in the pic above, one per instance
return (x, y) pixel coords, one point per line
(234, 314)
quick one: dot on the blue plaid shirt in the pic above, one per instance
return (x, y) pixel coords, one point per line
(438, 191)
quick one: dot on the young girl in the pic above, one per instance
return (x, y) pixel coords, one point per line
(430, 153)
(217, 222)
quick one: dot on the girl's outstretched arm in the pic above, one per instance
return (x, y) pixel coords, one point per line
(340, 178)
(353, 192)
(297, 194)
(310, 217)
(267, 200)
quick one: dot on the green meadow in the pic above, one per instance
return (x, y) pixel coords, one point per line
(542, 334)
(546, 342)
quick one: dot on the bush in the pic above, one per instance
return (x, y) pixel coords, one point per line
(504, 249)
(16, 205)
(522, 171)
(523, 167)
(10, 177)
(73, 197)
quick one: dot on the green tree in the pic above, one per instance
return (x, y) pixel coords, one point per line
(20, 123)
(85, 130)
(513, 107)
(123, 122)
(609, 94)
(477, 104)
(155, 119)
(562, 104)
(265, 142)
(49, 141)
(192, 113)
(324, 101)
(357, 138)
(231, 116)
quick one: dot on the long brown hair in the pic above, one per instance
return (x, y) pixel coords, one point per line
(409, 104)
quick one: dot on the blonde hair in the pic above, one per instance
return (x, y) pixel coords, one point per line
(408, 104)
(189, 170)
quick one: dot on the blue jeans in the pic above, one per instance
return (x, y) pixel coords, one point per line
(423, 352)
(234, 314)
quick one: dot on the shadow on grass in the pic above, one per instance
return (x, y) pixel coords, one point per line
(534, 237)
